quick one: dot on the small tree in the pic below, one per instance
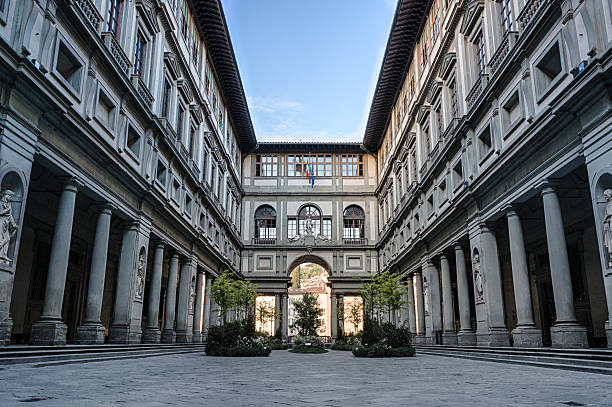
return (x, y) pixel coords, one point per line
(354, 316)
(224, 293)
(308, 316)
(245, 296)
(264, 313)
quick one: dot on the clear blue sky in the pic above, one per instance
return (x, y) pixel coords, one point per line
(309, 68)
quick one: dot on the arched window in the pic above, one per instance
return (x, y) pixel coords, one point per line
(312, 213)
(354, 220)
(265, 224)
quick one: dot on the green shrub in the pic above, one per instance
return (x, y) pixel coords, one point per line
(308, 341)
(381, 350)
(342, 346)
(374, 332)
(308, 350)
(347, 342)
(236, 338)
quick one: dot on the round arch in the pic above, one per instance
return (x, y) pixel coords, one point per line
(309, 258)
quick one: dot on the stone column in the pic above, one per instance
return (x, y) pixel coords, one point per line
(51, 330)
(466, 335)
(277, 313)
(127, 314)
(497, 333)
(285, 315)
(340, 314)
(92, 331)
(152, 334)
(525, 334)
(411, 315)
(449, 337)
(566, 332)
(182, 309)
(434, 298)
(419, 304)
(199, 308)
(168, 334)
(334, 316)
(207, 304)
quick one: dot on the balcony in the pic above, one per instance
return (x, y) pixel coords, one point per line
(264, 240)
(529, 10)
(448, 131)
(143, 90)
(477, 89)
(355, 241)
(502, 51)
(116, 51)
(90, 13)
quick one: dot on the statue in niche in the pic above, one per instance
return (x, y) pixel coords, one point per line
(607, 222)
(478, 285)
(309, 226)
(8, 227)
(425, 295)
(192, 291)
(140, 276)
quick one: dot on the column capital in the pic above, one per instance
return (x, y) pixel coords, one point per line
(70, 183)
(106, 207)
(443, 256)
(160, 244)
(458, 246)
(547, 186)
(511, 209)
(487, 225)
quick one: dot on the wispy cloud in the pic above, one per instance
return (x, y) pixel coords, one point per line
(274, 105)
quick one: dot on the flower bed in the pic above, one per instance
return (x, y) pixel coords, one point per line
(235, 339)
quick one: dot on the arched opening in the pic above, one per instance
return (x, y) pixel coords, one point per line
(310, 278)
(354, 221)
(265, 225)
(309, 217)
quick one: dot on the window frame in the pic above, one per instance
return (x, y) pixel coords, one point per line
(114, 14)
(351, 165)
(263, 166)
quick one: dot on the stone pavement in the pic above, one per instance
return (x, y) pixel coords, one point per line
(285, 379)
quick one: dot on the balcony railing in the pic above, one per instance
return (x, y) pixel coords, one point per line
(502, 51)
(355, 241)
(116, 51)
(528, 12)
(90, 12)
(264, 240)
(477, 89)
(450, 128)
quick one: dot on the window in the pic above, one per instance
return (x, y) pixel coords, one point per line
(457, 174)
(176, 191)
(439, 124)
(4, 6)
(114, 16)
(426, 137)
(213, 168)
(442, 192)
(296, 165)
(548, 70)
(352, 165)
(68, 66)
(265, 222)
(511, 112)
(452, 89)
(165, 102)
(506, 15)
(132, 141)
(195, 51)
(191, 142)
(138, 53)
(204, 163)
(430, 205)
(220, 181)
(485, 142)
(354, 220)
(327, 228)
(266, 165)
(291, 228)
(312, 213)
(188, 204)
(322, 165)
(161, 173)
(179, 121)
(106, 109)
(480, 53)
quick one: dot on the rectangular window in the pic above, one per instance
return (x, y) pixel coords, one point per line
(204, 162)
(480, 54)
(106, 109)
(192, 138)
(161, 173)
(114, 17)
(69, 67)
(485, 142)
(327, 228)
(452, 89)
(188, 204)
(138, 53)
(291, 228)
(165, 102)
(457, 174)
(322, 165)
(439, 124)
(506, 15)
(352, 165)
(266, 165)
(132, 141)
(179, 121)
(219, 183)
(426, 138)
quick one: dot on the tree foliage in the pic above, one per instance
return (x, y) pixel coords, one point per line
(383, 296)
(232, 294)
(308, 316)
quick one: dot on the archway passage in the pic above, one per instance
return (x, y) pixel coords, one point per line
(314, 279)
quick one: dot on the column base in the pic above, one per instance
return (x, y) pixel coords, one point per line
(197, 338)
(527, 336)
(493, 338)
(419, 339)
(151, 335)
(6, 327)
(125, 334)
(183, 337)
(569, 335)
(466, 338)
(449, 338)
(168, 336)
(48, 333)
(91, 334)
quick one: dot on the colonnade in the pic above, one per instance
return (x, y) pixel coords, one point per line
(186, 282)
(432, 284)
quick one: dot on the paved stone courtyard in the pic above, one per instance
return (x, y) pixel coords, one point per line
(333, 379)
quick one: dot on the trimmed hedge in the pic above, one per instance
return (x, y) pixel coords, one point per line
(343, 346)
(382, 352)
(308, 350)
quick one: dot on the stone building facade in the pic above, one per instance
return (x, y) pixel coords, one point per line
(491, 123)
(122, 128)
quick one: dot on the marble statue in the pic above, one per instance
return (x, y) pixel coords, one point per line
(140, 276)
(8, 227)
(607, 230)
(309, 226)
(425, 295)
(478, 286)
